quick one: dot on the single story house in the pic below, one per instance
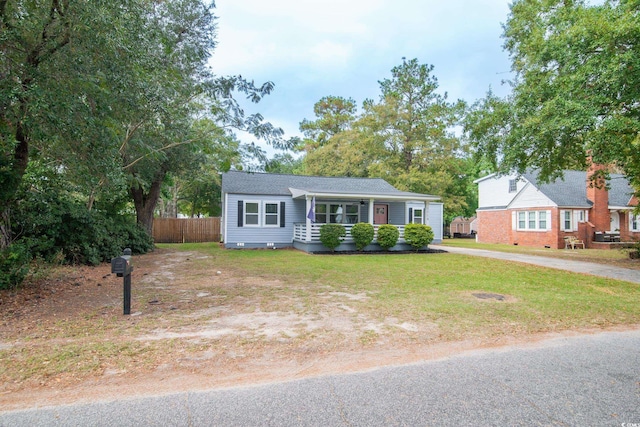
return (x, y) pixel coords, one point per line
(521, 210)
(463, 227)
(262, 210)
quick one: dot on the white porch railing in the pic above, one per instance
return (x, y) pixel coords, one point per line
(300, 232)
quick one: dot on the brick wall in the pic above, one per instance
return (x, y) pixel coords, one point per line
(599, 195)
(496, 227)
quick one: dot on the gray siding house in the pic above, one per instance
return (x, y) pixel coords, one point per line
(261, 210)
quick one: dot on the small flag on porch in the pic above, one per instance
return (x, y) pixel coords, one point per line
(312, 210)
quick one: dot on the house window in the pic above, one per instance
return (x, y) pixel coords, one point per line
(522, 220)
(337, 213)
(542, 220)
(533, 220)
(271, 214)
(417, 216)
(635, 222)
(321, 214)
(566, 221)
(251, 214)
(582, 216)
(352, 212)
(513, 186)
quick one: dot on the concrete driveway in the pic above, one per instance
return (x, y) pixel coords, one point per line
(591, 268)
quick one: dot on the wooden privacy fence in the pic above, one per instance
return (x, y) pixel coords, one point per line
(187, 230)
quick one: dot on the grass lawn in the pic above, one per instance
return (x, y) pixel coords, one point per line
(438, 288)
(271, 308)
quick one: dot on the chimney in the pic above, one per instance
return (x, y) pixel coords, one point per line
(598, 194)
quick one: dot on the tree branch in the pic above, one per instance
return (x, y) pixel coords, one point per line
(159, 150)
(129, 135)
(39, 53)
(3, 14)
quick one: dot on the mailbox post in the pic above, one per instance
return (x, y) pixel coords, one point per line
(122, 266)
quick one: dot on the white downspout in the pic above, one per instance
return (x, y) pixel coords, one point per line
(225, 216)
(371, 211)
(425, 216)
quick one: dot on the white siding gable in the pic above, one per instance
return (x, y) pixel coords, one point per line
(530, 197)
(493, 191)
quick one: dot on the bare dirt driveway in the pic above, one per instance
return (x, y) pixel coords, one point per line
(197, 322)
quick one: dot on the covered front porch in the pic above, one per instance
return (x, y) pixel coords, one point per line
(398, 209)
(314, 245)
(623, 232)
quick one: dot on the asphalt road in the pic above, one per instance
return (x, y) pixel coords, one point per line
(587, 380)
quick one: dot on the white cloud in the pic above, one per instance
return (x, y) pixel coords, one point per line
(337, 54)
(313, 48)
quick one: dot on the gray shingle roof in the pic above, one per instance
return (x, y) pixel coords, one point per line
(620, 192)
(571, 190)
(278, 184)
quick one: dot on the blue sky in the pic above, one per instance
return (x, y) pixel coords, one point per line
(311, 49)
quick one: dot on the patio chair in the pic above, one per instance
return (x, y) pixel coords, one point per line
(567, 243)
(576, 242)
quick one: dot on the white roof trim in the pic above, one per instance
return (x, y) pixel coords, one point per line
(297, 193)
(485, 178)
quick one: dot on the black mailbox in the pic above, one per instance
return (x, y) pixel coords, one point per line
(122, 265)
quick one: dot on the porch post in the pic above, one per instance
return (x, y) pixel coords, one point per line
(308, 229)
(371, 211)
(425, 214)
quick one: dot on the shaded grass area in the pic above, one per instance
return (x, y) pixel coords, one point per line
(432, 293)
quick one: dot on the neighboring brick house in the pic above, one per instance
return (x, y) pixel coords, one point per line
(518, 209)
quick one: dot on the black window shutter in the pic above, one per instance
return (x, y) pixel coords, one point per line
(410, 215)
(240, 214)
(282, 214)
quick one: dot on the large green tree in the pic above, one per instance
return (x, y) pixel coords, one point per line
(414, 125)
(111, 93)
(72, 78)
(334, 114)
(576, 89)
(36, 41)
(407, 138)
(335, 134)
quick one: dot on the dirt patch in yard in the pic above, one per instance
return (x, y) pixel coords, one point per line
(196, 323)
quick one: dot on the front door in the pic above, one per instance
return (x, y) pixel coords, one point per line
(380, 214)
(615, 221)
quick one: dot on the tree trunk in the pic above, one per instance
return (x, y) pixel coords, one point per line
(145, 203)
(12, 183)
(174, 201)
(5, 228)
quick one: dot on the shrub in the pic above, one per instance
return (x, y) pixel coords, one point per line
(331, 235)
(14, 265)
(635, 251)
(362, 234)
(52, 226)
(388, 236)
(418, 235)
